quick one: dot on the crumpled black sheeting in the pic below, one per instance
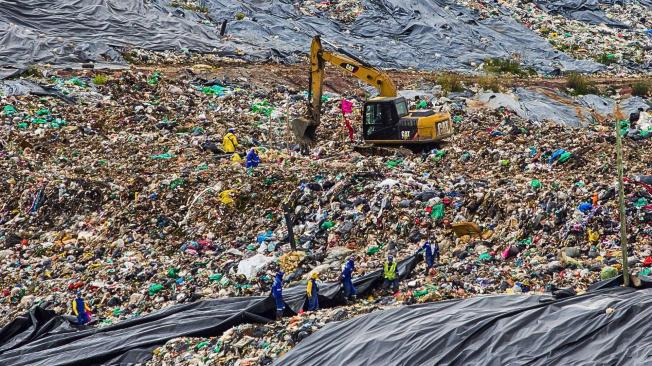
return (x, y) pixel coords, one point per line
(492, 330)
(398, 34)
(42, 338)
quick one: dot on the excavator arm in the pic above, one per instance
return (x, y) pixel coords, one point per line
(305, 129)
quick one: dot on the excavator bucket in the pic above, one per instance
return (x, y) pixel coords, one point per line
(304, 129)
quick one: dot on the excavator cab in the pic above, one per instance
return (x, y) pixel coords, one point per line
(387, 120)
(381, 117)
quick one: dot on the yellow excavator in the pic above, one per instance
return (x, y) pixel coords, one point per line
(386, 118)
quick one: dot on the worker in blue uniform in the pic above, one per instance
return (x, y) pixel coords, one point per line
(312, 291)
(81, 309)
(277, 294)
(347, 279)
(252, 159)
(426, 248)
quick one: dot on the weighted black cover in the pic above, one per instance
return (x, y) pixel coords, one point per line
(606, 327)
(43, 338)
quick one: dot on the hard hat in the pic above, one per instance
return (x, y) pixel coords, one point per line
(390, 257)
(314, 275)
(231, 130)
(79, 293)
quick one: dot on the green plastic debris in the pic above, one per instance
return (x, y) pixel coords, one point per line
(201, 345)
(262, 107)
(535, 183)
(155, 288)
(22, 125)
(173, 272)
(504, 162)
(525, 242)
(177, 183)
(39, 121)
(154, 78)
(224, 281)
(624, 126)
(251, 247)
(76, 81)
(218, 346)
(485, 257)
(162, 156)
(394, 163)
(327, 225)
(58, 123)
(580, 184)
(645, 272)
(420, 293)
(422, 104)
(608, 272)
(214, 90)
(438, 211)
(201, 167)
(565, 156)
(116, 312)
(439, 155)
(373, 250)
(640, 202)
(457, 119)
(8, 110)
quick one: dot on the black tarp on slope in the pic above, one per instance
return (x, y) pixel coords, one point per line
(423, 34)
(42, 338)
(493, 330)
(587, 11)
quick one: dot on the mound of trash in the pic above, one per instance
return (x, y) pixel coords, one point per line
(116, 185)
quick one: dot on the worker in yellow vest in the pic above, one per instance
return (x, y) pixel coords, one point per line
(390, 274)
(230, 143)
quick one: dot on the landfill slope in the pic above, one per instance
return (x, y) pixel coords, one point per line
(112, 183)
(430, 35)
(41, 337)
(605, 327)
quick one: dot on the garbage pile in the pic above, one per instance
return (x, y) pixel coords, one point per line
(345, 11)
(617, 47)
(127, 196)
(615, 34)
(255, 344)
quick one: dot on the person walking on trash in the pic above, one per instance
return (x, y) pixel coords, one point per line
(312, 291)
(390, 275)
(347, 279)
(230, 142)
(81, 309)
(428, 255)
(277, 294)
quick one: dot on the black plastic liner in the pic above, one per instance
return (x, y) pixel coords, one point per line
(587, 11)
(605, 327)
(422, 34)
(43, 338)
